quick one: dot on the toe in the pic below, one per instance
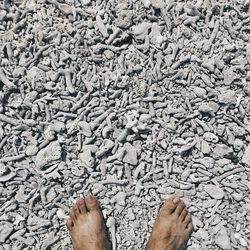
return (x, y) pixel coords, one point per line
(91, 203)
(183, 214)
(72, 216)
(76, 210)
(179, 208)
(170, 204)
(81, 205)
(190, 228)
(187, 219)
(69, 224)
(74, 213)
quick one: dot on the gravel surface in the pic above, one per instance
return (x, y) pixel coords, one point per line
(131, 100)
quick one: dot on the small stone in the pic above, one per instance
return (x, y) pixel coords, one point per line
(247, 88)
(246, 207)
(214, 191)
(106, 146)
(222, 239)
(49, 155)
(130, 155)
(237, 236)
(62, 105)
(238, 144)
(246, 156)
(146, 3)
(108, 54)
(158, 4)
(85, 2)
(85, 128)
(205, 108)
(35, 77)
(209, 203)
(214, 106)
(237, 130)
(31, 150)
(58, 127)
(15, 100)
(120, 199)
(200, 92)
(202, 234)
(194, 247)
(237, 196)
(227, 97)
(155, 35)
(221, 151)
(6, 229)
(87, 159)
(210, 137)
(197, 222)
(223, 162)
(243, 242)
(3, 169)
(229, 76)
(125, 19)
(141, 30)
(61, 215)
(205, 148)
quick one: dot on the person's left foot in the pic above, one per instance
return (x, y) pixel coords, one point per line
(86, 225)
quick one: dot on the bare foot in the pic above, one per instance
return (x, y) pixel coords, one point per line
(86, 225)
(172, 227)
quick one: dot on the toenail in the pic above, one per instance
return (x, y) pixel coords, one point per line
(176, 200)
(89, 198)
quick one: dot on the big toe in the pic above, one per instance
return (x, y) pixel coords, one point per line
(170, 204)
(92, 203)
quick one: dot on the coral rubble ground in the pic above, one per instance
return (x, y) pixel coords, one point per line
(133, 101)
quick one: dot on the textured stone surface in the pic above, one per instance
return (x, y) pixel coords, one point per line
(246, 156)
(48, 155)
(214, 191)
(222, 239)
(6, 229)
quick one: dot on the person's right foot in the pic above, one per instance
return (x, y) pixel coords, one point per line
(172, 227)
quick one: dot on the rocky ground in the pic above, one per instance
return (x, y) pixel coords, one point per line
(133, 101)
